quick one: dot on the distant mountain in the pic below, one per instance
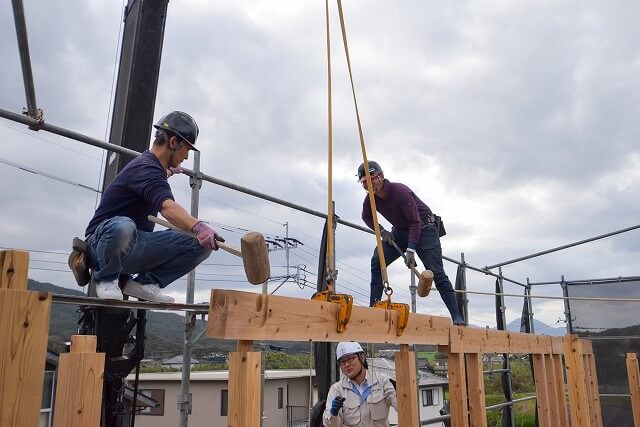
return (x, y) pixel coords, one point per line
(165, 330)
(538, 327)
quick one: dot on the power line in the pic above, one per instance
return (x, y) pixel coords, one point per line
(47, 175)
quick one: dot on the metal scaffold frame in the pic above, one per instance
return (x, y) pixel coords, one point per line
(464, 345)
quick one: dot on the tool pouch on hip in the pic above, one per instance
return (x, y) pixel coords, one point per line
(440, 226)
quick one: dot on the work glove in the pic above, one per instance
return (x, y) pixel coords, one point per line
(174, 171)
(207, 236)
(410, 259)
(336, 405)
(386, 236)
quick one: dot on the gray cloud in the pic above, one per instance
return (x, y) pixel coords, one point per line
(516, 122)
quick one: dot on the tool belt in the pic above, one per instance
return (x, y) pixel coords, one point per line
(438, 223)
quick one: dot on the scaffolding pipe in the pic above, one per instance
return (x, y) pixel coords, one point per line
(559, 248)
(488, 408)
(184, 400)
(97, 302)
(25, 59)
(604, 281)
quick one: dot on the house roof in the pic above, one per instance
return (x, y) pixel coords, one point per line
(177, 360)
(388, 367)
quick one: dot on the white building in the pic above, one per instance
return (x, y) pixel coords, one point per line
(286, 398)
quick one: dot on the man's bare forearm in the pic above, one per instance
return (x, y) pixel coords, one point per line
(177, 215)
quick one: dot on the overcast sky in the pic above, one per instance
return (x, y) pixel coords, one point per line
(516, 121)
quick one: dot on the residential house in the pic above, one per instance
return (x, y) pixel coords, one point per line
(287, 397)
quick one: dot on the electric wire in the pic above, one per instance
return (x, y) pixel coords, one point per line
(47, 175)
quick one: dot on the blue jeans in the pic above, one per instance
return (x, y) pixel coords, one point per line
(429, 251)
(118, 247)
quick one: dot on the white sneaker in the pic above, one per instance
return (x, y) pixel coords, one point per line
(109, 290)
(150, 292)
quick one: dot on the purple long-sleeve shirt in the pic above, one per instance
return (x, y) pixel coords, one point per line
(401, 207)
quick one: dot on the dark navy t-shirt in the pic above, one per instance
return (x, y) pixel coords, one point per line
(402, 208)
(138, 191)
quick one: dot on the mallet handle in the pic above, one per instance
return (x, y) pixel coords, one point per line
(225, 247)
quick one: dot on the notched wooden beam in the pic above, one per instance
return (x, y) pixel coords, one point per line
(250, 316)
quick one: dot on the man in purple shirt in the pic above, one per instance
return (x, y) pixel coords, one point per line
(414, 230)
(120, 239)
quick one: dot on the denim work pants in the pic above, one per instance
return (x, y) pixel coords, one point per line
(118, 247)
(430, 253)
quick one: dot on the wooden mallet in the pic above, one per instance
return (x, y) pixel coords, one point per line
(253, 251)
(425, 279)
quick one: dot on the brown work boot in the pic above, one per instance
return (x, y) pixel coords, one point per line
(78, 262)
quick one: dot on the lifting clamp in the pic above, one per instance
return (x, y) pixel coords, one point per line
(344, 301)
(402, 309)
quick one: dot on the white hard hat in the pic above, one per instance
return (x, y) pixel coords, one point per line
(347, 348)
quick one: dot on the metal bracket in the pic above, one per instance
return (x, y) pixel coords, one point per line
(345, 303)
(196, 180)
(403, 313)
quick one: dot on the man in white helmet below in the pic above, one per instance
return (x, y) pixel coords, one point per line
(362, 397)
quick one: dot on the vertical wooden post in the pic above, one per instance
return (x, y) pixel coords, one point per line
(552, 399)
(24, 327)
(561, 400)
(245, 387)
(14, 267)
(79, 388)
(542, 392)
(590, 366)
(457, 379)
(634, 386)
(407, 387)
(475, 379)
(579, 405)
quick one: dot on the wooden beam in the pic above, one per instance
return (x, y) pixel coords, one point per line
(559, 395)
(633, 374)
(475, 383)
(245, 389)
(24, 327)
(14, 268)
(250, 316)
(407, 387)
(476, 340)
(79, 389)
(457, 380)
(579, 405)
(239, 315)
(542, 392)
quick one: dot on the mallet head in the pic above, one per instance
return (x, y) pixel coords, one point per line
(255, 258)
(424, 283)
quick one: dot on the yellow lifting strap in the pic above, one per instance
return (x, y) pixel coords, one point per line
(344, 301)
(330, 260)
(372, 200)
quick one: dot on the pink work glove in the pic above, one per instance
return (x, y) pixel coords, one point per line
(174, 171)
(206, 236)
